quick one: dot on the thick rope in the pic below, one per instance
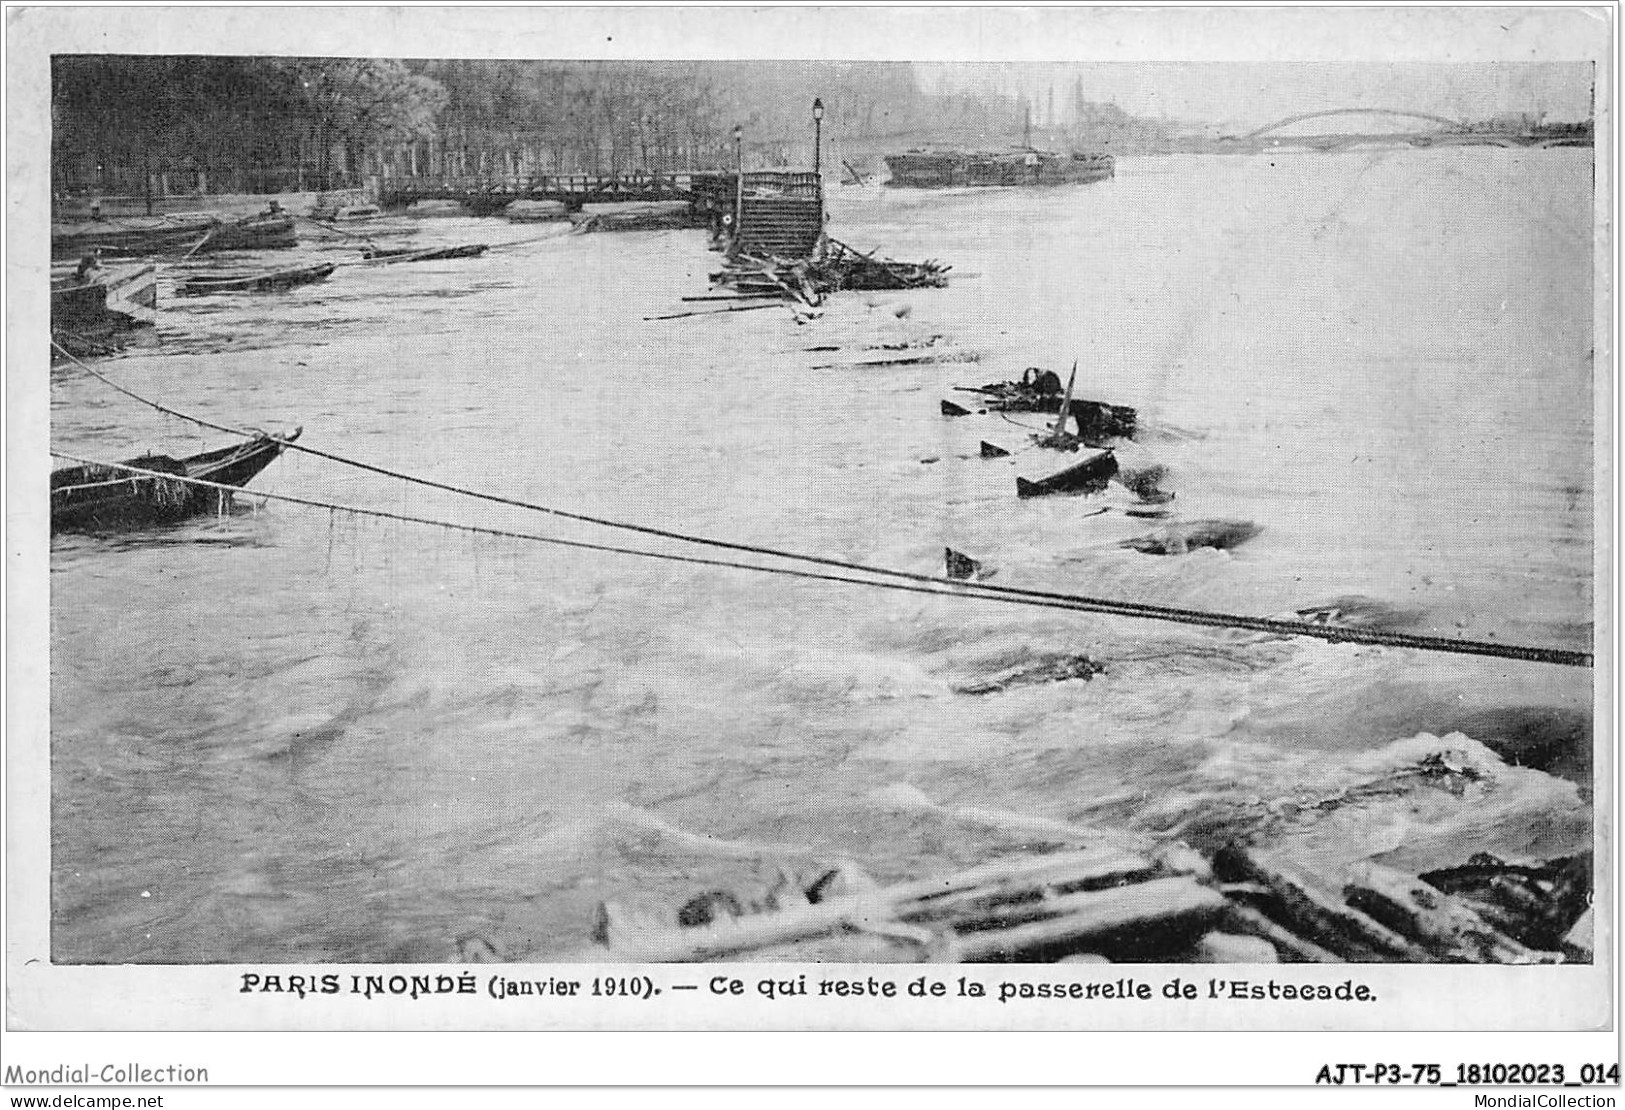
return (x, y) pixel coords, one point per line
(1188, 616)
(919, 583)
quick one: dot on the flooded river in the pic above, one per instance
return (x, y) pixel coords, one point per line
(295, 734)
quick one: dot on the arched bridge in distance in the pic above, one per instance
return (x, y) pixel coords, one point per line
(1444, 122)
(1446, 131)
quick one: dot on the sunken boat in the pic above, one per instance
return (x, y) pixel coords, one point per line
(96, 308)
(1041, 391)
(95, 294)
(97, 498)
(1089, 476)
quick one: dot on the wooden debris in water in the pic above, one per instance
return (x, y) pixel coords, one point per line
(1536, 906)
(1444, 926)
(845, 268)
(1041, 902)
(1053, 670)
(959, 565)
(1288, 946)
(1157, 914)
(649, 218)
(1298, 904)
(838, 267)
(1088, 905)
(1146, 484)
(951, 409)
(715, 311)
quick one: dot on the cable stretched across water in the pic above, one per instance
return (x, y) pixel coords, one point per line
(1185, 616)
(910, 582)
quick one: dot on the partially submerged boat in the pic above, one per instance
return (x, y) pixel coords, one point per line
(1041, 391)
(346, 213)
(1191, 535)
(204, 284)
(427, 254)
(96, 309)
(1089, 476)
(94, 498)
(76, 301)
(95, 292)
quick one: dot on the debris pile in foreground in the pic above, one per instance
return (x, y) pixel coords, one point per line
(1172, 904)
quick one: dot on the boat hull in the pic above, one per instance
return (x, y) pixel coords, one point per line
(974, 169)
(128, 238)
(77, 304)
(1088, 476)
(105, 499)
(119, 297)
(1095, 419)
(205, 285)
(404, 254)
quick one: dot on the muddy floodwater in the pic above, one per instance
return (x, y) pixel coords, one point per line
(295, 734)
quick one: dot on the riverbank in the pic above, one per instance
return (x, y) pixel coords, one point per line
(69, 210)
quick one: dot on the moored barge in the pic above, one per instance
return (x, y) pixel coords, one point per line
(1023, 166)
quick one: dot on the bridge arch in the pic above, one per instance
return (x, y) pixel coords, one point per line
(1452, 124)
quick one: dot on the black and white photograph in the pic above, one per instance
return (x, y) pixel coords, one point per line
(727, 518)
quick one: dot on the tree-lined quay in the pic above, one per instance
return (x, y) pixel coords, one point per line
(162, 126)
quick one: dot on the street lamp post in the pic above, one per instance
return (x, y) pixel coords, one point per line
(739, 178)
(818, 133)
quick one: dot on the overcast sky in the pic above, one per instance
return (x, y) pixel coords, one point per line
(1254, 93)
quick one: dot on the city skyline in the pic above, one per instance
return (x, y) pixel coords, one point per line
(1250, 94)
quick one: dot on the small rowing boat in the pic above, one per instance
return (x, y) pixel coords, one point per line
(202, 285)
(92, 498)
(430, 254)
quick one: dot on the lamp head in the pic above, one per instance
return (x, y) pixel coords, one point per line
(818, 108)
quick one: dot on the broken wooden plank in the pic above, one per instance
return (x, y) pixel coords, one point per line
(1036, 868)
(1015, 893)
(1066, 401)
(774, 303)
(1170, 906)
(1291, 947)
(857, 907)
(1304, 909)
